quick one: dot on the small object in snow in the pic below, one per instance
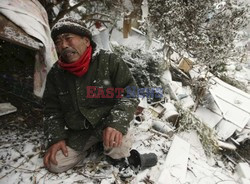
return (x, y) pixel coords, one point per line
(158, 110)
(171, 113)
(7, 108)
(98, 24)
(138, 110)
(238, 68)
(163, 128)
(185, 64)
(226, 145)
(139, 118)
(181, 96)
(126, 174)
(143, 103)
(142, 161)
(121, 163)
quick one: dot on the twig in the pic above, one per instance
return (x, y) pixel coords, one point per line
(160, 134)
(42, 177)
(242, 157)
(116, 178)
(93, 176)
(36, 170)
(23, 162)
(13, 169)
(66, 10)
(27, 158)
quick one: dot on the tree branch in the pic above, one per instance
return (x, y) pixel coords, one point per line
(66, 10)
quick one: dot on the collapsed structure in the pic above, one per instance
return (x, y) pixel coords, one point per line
(25, 32)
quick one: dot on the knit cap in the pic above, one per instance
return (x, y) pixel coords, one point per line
(71, 25)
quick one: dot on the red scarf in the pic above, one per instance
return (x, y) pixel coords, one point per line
(79, 67)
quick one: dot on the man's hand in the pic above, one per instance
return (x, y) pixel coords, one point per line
(112, 137)
(50, 155)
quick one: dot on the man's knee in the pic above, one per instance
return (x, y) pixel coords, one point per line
(65, 163)
(58, 168)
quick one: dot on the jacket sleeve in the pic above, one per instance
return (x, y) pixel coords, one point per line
(123, 111)
(54, 124)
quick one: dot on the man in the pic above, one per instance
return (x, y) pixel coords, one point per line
(85, 99)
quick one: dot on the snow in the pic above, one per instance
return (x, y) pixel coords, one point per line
(22, 161)
(101, 38)
(128, 5)
(144, 9)
(21, 152)
(136, 40)
(242, 75)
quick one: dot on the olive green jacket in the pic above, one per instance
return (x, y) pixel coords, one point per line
(69, 115)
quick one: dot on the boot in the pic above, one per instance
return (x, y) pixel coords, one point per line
(142, 161)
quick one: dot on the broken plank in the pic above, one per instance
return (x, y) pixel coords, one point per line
(193, 139)
(231, 113)
(210, 118)
(175, 164)
(225, 129)
(226, 145)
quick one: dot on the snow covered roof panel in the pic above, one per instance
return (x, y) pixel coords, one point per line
(12, 33)
(233, 103)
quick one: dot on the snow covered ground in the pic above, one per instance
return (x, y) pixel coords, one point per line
(21, 149)
(21, 159)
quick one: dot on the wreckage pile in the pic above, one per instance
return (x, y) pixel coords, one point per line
(214, 122)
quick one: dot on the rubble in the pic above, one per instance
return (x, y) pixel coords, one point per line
(163, 127)
(7, 108)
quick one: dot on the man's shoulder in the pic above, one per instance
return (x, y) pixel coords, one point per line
(55, 69)
(101, 53)
(106, 56)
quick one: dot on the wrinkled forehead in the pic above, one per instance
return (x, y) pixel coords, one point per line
(64, 35)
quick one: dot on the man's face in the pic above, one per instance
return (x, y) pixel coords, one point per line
(70, 47)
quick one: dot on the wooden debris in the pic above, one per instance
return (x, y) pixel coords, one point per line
(226, 145)
(126, 25)
(157, 110)
(193, 139)
(233, 103)
(175, 166)
(225, 129)
(210, 118)
(243, 136)
(7, 108)
(185, 64)
(171, 113)
(159, 133)
(163, 128)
